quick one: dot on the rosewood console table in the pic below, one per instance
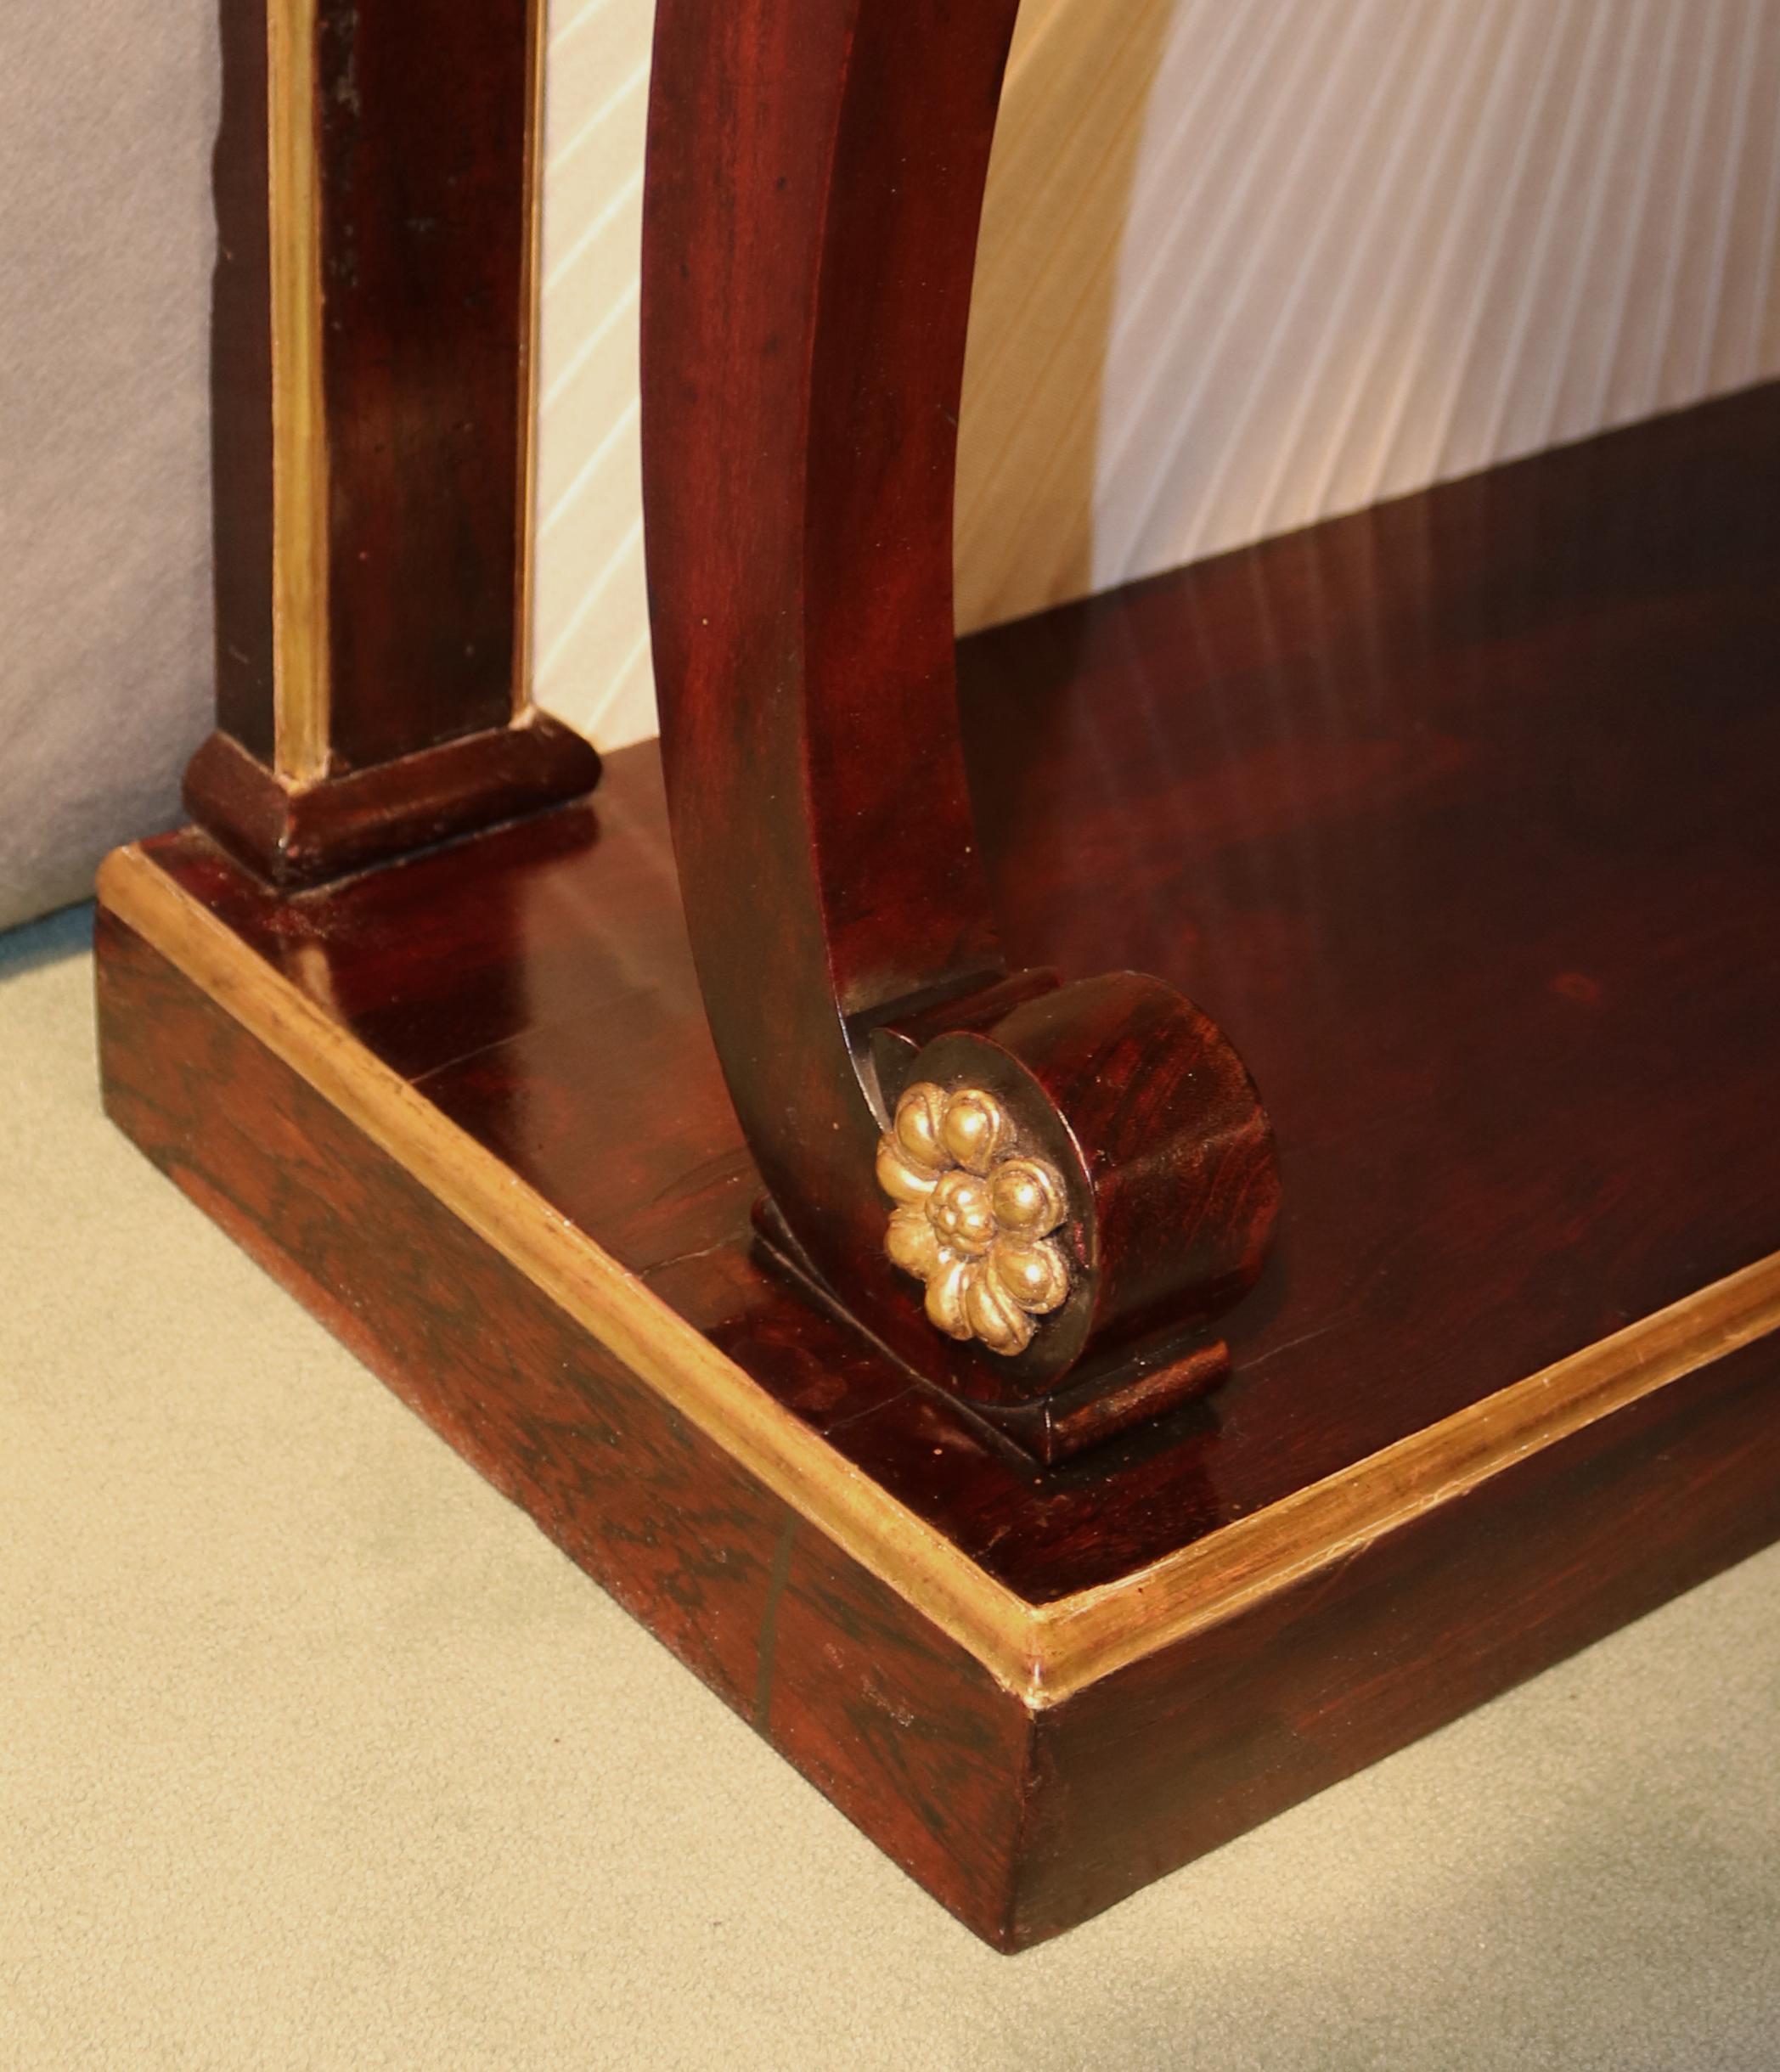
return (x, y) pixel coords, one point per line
(929, 1336)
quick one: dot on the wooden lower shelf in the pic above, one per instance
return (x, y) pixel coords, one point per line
(1461, 816)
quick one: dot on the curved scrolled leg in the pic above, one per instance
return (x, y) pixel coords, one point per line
(1023, 1188)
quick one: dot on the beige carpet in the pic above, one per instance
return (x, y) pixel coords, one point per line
(313, 1753)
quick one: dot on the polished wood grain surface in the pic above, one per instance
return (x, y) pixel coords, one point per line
(1024, 1805)
(805, 291)
(1042, 1651)
(423, 113)
(1471, 801)
(1198, 1741)
(1466, 804)
(1468, 809)
(293, 836)
(818, 1655)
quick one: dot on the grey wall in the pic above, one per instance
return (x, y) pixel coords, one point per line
(107, 109)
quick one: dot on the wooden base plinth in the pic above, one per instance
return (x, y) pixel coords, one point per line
(1459, 817)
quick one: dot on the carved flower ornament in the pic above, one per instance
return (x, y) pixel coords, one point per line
(974, 1215)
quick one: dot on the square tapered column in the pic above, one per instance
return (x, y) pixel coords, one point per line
(373, 358)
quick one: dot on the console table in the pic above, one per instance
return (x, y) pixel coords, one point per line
(818, 1169)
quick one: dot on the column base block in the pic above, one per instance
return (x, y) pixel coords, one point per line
(297, 835)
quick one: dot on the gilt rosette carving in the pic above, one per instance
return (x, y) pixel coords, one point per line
(976, 1216)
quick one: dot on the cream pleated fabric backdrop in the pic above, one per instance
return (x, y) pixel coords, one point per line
(1246, 264)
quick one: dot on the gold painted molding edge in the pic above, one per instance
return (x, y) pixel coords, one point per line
(301, 687)
(609, 1301)
(1321, 1526)
(1043, 1653)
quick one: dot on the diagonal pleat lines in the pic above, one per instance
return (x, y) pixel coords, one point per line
(590, 635)
(1248, 267)
(1243, 266)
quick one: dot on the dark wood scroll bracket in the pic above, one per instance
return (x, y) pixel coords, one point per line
(814, 184)
(373, 403)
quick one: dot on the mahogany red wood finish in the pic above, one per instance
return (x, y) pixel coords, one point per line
(607, 1468)
(390, 376)
(1466, 805)
(1023, 1821)
(814, 181)
(297, 835)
